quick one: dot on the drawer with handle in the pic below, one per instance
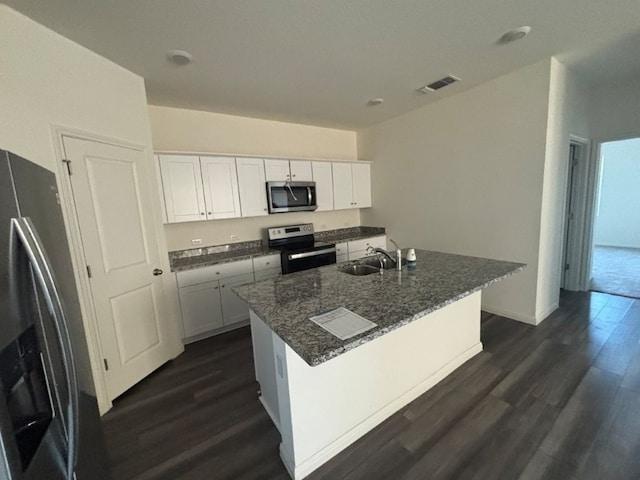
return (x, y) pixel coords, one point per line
(266, 262)
(214, 272)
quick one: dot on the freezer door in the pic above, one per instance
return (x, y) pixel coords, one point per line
(29, 190)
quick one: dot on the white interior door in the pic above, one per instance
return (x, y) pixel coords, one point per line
(112, 197)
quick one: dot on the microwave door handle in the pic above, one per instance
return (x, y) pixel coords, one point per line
(309, 196)
(25, 231)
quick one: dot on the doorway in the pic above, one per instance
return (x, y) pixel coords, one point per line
(616, 233)
(109, 201)
(578, 206)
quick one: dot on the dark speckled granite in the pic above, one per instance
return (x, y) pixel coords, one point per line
(189, 259)
(348, 234)
(199, 261)
(390, 300)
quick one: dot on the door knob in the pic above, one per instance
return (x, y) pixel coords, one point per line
(157, 271)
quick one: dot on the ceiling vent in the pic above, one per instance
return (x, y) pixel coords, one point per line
(438, 84)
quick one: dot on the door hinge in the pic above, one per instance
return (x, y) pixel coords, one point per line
(106, 364)
(89, 271)
(68, 164)
(566, 266)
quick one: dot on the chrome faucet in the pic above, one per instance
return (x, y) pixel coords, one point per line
(398, 255)
(377, 250)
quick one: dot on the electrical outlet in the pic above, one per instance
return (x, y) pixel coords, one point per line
(196, 241)
(234, 237)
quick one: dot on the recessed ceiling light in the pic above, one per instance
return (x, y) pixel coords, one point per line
(179, 57)
(375, 101)
(515, 34)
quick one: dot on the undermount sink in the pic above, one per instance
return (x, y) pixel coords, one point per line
(387, 263)
(359, 269)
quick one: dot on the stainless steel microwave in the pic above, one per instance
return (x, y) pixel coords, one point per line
(291, 196)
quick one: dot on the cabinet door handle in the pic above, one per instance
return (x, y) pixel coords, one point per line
(202, 213)
(208, 213)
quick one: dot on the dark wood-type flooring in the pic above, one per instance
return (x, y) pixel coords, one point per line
(557, 401)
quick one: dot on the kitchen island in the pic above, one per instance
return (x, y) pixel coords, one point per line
(323, 393)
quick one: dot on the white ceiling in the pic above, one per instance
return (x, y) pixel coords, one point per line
(320, 61)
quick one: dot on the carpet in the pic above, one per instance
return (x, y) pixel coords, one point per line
(616, 270)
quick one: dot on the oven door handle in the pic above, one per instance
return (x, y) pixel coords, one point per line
(315, 253)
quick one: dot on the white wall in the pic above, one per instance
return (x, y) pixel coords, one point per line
(48, 80)
(464, 175)
(614, 112)
(568, 114)
(182, 130)
(45, 81)
(618, 207)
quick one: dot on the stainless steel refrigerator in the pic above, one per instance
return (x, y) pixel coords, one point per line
(49, 421)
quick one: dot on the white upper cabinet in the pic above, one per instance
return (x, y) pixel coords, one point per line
(342, 188)
(220, 187)
(199, 188)
(323, 177)
(182, 186)
(351, 185)
(361, 179)
(300, 171)
(252, 187)
(287, 170)
(217, 187)
(276, 170)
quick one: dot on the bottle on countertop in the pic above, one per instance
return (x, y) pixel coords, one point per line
(411, 258)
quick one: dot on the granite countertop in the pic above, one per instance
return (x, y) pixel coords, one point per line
(182, 260)
(216, 258)
(390, 300)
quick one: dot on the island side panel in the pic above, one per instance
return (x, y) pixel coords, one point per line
(265, 366)
(329, 406)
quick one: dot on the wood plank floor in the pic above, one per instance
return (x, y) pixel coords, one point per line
(557, 401)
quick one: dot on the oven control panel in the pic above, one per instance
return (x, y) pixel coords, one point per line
(290, 231)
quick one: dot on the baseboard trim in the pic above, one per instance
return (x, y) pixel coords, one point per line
(312, 463)
(217, 331)
(543, 316)
(531, 320)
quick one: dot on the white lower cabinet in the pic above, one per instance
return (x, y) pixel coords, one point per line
(207, 303)
(201, 308)
(266, 267)
(234, 309)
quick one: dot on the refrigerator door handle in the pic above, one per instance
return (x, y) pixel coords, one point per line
(24, 230)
